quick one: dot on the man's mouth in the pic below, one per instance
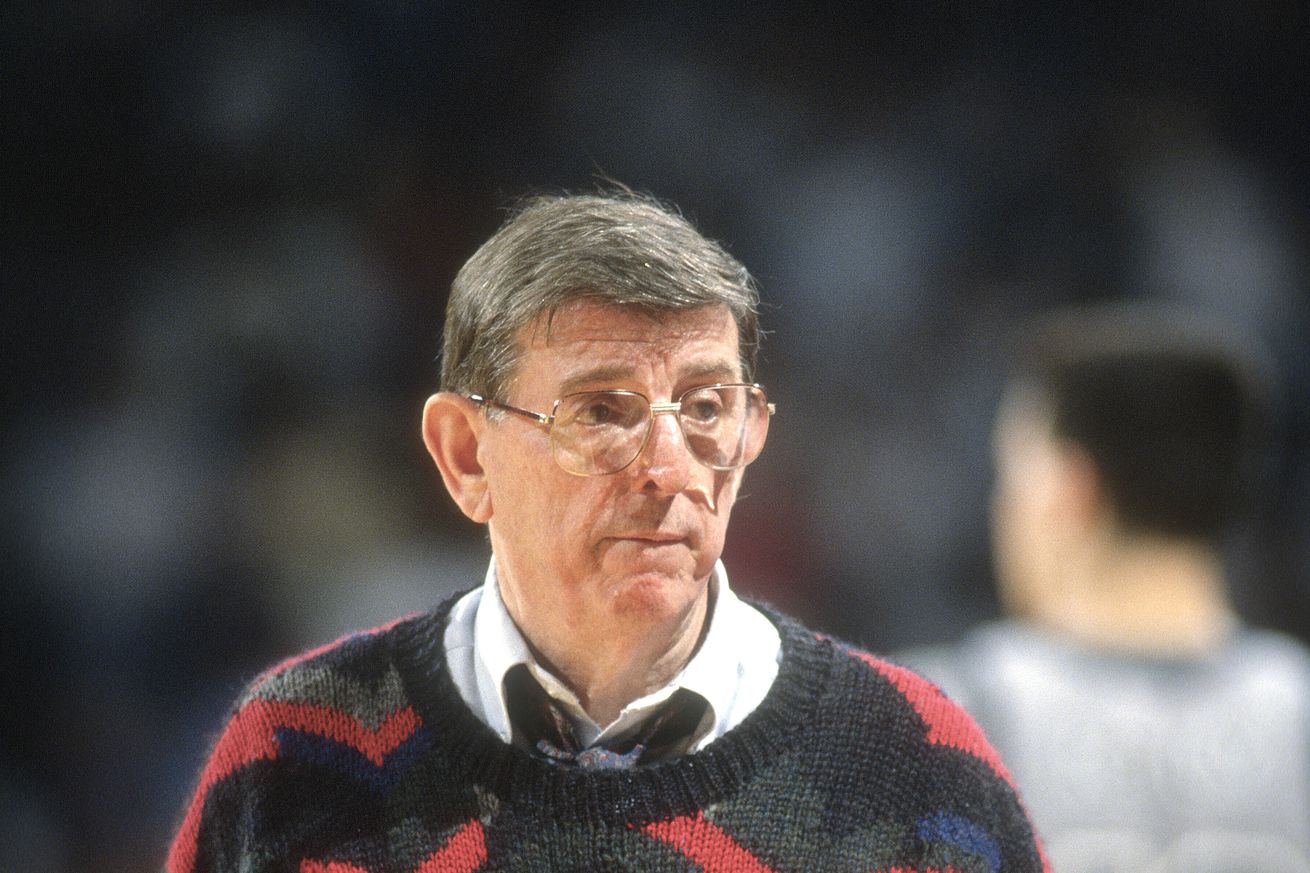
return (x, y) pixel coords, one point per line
(655, 537)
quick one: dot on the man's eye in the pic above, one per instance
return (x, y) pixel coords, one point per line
(601, 410)
(701, 410)
(597, 413)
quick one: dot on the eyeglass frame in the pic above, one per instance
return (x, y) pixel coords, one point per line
(547, 420)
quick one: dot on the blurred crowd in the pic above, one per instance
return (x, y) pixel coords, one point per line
(230, 230)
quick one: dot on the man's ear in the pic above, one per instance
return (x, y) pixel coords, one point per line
(452, 429)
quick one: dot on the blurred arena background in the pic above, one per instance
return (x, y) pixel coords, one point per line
(230, 227)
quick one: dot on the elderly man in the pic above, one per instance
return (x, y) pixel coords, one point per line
(603, 700)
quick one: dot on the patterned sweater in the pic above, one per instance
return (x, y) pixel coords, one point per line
(361, 757)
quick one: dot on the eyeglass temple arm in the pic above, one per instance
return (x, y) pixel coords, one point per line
(538, 417)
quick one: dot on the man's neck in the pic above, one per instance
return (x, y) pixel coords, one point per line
(610, 670)
(1147, 596)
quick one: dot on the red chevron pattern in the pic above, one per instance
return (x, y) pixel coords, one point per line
(464, 852)
(706, 844)
(948, 724)
(251, 736)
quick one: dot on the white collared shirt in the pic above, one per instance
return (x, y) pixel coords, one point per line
(733, 669)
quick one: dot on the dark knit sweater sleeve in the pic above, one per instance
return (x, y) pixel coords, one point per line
(941, 779)
(306, 751)
(362, 758)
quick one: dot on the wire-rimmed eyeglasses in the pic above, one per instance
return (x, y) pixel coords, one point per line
(595, 433)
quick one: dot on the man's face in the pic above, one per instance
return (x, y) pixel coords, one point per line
(634, 547)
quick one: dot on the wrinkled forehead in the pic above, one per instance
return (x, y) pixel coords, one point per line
(604, 337)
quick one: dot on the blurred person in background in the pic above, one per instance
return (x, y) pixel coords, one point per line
(602, 700)
(1148, 727)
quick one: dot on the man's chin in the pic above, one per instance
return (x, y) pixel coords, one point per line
(655, 595)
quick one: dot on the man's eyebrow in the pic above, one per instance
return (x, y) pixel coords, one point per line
(717, 371)
(594, 376)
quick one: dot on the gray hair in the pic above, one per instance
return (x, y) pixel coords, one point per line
(618, 248)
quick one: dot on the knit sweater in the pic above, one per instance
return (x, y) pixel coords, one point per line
(361, 757)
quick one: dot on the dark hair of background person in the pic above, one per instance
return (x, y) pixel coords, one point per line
(1175, 411)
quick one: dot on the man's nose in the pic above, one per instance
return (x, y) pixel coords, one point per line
(665, 463)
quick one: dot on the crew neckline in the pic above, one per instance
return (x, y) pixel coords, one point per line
(648, 792)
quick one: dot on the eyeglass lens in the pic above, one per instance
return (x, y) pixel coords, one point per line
(602, 432)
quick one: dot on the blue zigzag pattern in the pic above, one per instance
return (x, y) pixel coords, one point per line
(323, 752)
